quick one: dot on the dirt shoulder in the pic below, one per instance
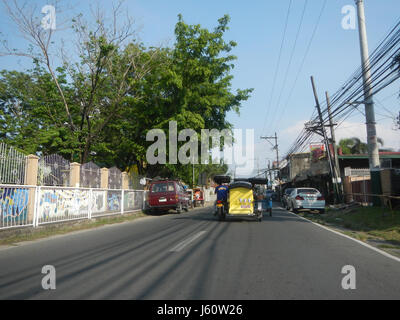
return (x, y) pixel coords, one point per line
(375, 226)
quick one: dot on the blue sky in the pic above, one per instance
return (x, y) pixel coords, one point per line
(257, 27)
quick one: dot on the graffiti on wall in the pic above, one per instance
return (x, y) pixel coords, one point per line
(129, 200)
(114, 201)
(58, 203)
(99, 201)
(13, 204)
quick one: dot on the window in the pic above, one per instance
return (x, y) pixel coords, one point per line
(309, 191)
(386, 163)
(159, 187)
(288, 191)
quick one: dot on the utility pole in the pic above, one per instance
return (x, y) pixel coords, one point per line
(276, 147)
(269, 171)
(398, 121)
(373, 150)
(325, 137)
(193, 171)
(336, 158)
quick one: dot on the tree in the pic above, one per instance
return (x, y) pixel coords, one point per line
(191, 85)
(100, 105)
(111, 63)
(355, 145)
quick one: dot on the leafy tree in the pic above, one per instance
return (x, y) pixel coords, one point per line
(355, 145)
(190, 84)
(101, 106)
(103, 79)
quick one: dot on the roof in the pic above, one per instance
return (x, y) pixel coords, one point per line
(382, 155)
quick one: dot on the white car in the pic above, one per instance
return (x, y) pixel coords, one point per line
(306, 198)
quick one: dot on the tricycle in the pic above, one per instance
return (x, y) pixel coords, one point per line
(198, 197)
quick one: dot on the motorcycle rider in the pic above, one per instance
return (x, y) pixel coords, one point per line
(222, 195)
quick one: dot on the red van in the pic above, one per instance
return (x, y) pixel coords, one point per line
(167, 194)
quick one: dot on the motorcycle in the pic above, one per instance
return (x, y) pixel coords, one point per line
(220, 206)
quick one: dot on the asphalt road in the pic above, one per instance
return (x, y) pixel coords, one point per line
(194, 256)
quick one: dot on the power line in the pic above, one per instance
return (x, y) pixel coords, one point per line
(383, 74)
(302, 62)
(290, 63)
(278, 64)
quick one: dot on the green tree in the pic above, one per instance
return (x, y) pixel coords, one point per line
(110, 63)
(101, 106)
(355, 145)
(190, 84)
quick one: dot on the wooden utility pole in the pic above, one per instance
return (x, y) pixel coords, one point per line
(269, 171)
(335, 151)
(276, 147)
(325, 138)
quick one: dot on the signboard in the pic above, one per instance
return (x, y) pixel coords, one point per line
(317, 151)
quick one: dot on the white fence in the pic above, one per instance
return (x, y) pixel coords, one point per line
(38, 205)
(14, 205)
(12, 165)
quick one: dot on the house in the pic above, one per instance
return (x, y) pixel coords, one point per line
(303, 170)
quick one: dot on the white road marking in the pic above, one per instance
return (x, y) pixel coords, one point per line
(388, 255)
(184, 243)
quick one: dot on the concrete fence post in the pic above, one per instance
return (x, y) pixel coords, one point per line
(104, 185)
(104, 178)
(31, 176)
(125, 186)
(125, 180)
(75, 174)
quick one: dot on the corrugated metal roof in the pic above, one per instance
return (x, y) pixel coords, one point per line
(382, 155)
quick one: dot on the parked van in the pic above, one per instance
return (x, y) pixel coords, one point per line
(167, 194)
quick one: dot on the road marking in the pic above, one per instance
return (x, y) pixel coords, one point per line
(184, 243)
(388, 255)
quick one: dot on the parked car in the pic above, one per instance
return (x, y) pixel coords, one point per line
(285, 197)
(306, 198)
(167, 194)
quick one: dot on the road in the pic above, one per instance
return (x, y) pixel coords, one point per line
(194, 256)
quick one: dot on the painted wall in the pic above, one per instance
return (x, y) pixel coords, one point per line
(114, 200)
(99, 203)
(13, 204)
(61, 204)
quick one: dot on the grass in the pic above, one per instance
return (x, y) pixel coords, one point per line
(364, 223)
(14, 236)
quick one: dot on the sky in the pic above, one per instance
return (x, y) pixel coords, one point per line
(282, 99)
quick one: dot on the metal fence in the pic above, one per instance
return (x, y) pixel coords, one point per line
(14, 205)
(135, 179)
(23, 206)
(90, 175)
(114, 178)
(53, 170)
(12, 165)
